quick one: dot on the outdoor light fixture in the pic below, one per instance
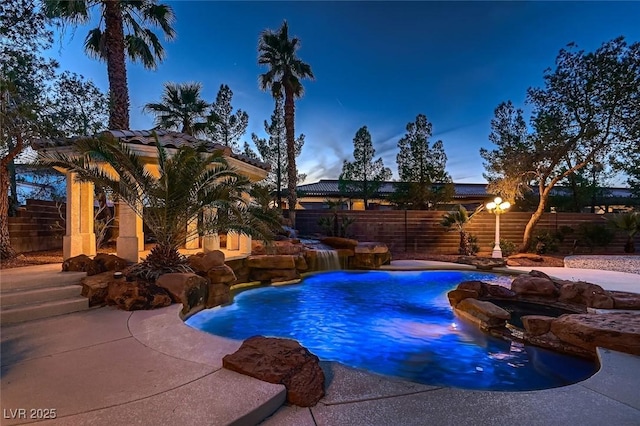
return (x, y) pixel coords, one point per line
(497, 207)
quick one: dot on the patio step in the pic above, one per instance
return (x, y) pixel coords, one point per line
(39, 276)
(36, 292)
(20, 313)
(38, 295)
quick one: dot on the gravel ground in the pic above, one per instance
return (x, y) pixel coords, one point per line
(630, 264)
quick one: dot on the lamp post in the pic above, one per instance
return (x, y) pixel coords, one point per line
(497, 207)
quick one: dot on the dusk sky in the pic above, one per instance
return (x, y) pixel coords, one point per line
(377, 64)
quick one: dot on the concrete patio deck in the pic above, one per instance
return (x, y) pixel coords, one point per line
(109, 367)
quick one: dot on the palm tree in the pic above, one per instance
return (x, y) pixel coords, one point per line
(278, 52)
(180, 108)
(189, 180)
(458, 218)
(110, 43)
(630, 223)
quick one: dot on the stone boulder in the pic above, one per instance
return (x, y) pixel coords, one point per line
(527, 285)
(539, 274)
(219, 279)
(288, 247)
(96, 287)
(370, 255)
(218, 294)
(498, 291)
(110, 262)
(281, 361)
(587, 294)
(137, 295)
(485, 314)
(81, 263)
(240, 270)
(222, 274)
(274, 275)
(258, 247)
(537, 325)
(615, 331)
(202, 262)
(271, 262)
(625, 300)
(482, 263)
(458, 295)
(340, 243)
(474, 285)
(301, 263)
(191, 290)
(551, 341)
(102, 262)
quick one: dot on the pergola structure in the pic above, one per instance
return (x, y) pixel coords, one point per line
(79, 235)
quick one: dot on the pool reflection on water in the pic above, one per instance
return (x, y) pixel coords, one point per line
(393, 323)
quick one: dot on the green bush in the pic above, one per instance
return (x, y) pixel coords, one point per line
(563, 232)
(508, 247)
(594, 235)
(545, 242)
(336, 226)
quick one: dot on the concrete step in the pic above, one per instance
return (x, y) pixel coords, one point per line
(32, 277)
(38, 295)
(21, 313)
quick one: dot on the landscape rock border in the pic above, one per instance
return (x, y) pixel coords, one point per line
(575, 334)
(280, 361)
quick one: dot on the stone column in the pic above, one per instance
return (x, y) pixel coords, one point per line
(210, 239)
(245, 244)
(87, 230)
(233, 242)
(130, 240)
(72, 242)
(210, 242)
(193, 239)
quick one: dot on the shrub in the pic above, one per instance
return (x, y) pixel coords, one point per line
(545, 242)
(628, 222)
(594, 235)
(336, 226)
(508, 247)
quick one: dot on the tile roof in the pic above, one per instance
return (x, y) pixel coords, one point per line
(330, 187)
(167, 139)
(327, 187)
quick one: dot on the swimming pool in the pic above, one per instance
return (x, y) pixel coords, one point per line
(393, 323)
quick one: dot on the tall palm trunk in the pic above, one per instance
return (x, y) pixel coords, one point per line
(465, 244)
(116, 68)
(279, 175)
(289, 111)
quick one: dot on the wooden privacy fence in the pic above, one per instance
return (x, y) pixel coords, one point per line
(34, 228)
(420, 231)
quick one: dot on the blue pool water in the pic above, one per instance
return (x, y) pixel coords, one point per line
(393, 323)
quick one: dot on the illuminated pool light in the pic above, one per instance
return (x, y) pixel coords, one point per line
(393, 323)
